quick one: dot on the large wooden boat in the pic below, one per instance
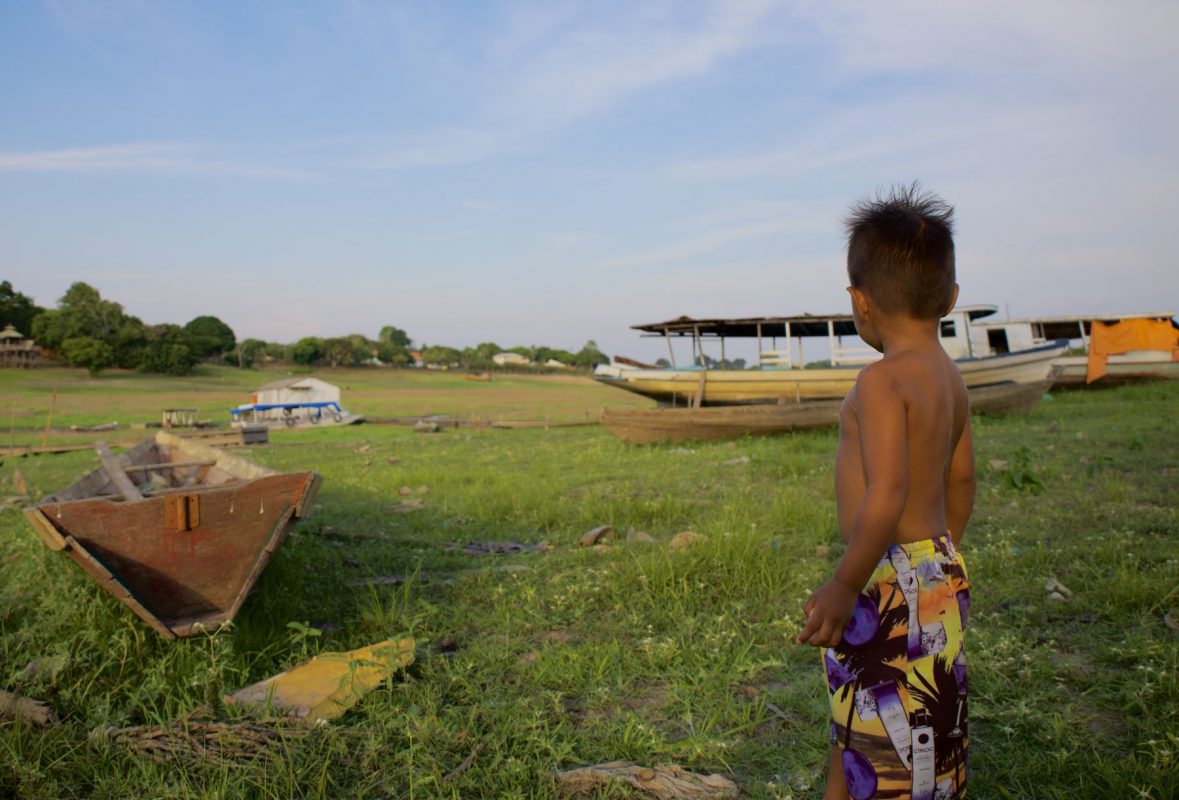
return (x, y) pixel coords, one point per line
(780, 375)
(672, 425)
(178, 531)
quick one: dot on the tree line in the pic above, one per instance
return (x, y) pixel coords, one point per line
(94, 333)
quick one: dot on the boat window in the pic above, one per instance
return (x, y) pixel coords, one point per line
(997, 339)
(949, 329)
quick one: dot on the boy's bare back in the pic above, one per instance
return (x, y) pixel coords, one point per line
(906, 414)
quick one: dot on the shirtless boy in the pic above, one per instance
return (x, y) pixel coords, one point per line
(891, 620)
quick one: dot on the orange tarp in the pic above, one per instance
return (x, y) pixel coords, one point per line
(1123, 337)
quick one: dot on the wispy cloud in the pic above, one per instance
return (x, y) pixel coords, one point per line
(684, 249)
(580, 70)
(143, 157)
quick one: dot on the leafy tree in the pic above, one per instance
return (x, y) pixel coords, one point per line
(81, 312)
(441, 354)
(248, 352)
(17, 310)
(590, 355)
(167, 351)
(337, 351)
(394, 336)
(306, 350)
(209, 336)
(129, 342)
(88, 353)
(392, 354)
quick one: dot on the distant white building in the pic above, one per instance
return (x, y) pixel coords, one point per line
(511, 359)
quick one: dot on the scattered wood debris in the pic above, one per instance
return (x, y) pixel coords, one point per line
(422, 426)
(737, 460)
(596, 536)
(35, 712)
(18, 481)
(685, 539)
(329, 684)
(204, 740)
(405, 506)
(468, 761)
(477, 548)
(638, 536)
(364, 448)
(13, 501)
(1057, 591)
(664, 782)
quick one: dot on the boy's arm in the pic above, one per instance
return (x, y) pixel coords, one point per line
(961, 486)
(880, 411)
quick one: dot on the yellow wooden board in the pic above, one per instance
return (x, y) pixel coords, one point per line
(329, 684)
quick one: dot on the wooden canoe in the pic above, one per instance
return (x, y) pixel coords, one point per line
(673, 425)
(176, 530)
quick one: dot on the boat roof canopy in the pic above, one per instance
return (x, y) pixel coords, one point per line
(803, 325)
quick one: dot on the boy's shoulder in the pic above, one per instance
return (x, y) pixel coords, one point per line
(896, 376)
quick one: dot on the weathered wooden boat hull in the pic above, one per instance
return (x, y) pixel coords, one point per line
(182, 558)
(1136, 366)
(674, 425)
(740, 387)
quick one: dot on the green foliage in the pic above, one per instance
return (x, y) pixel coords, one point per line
(17, 310)
(590, 355)
(394, 336)
(1019, 472)
(248, 352)
(441, 354)
(307, 350)
(90, 354)
(209, 337)
(167, 352)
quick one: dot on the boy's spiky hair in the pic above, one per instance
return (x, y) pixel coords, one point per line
(900, 251)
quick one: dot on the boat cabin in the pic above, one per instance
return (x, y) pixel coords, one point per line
(1017, 334)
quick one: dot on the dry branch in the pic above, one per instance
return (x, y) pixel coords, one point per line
(664, 782)
(32, 711)
(203, 740)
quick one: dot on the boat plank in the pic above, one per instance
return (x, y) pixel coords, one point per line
(115, 471)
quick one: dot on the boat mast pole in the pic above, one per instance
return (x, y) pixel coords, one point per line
(831, 341)
(699, 345)
(670, 349)
(789, 347)
(759, 344)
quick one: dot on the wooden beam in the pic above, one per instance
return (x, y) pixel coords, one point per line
(168, 465)
(115, 471)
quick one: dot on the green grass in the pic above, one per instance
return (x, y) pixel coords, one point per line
(631, 651)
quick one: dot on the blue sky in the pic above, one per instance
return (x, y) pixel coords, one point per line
(552, 172)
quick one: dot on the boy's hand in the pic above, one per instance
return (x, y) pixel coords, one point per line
(827, 613)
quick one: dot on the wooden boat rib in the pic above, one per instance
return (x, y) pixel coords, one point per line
(178, 531)
(674, 425)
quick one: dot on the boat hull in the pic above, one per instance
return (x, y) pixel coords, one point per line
(1136, 366)
(742, 387)
(184, 559)
(674, 425)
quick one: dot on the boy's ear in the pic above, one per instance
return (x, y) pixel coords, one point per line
(859, 300)
(953, 300)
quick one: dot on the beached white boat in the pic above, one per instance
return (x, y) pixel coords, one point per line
(779, 375)
(1123, 358)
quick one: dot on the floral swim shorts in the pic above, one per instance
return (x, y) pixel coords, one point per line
(898, 678)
